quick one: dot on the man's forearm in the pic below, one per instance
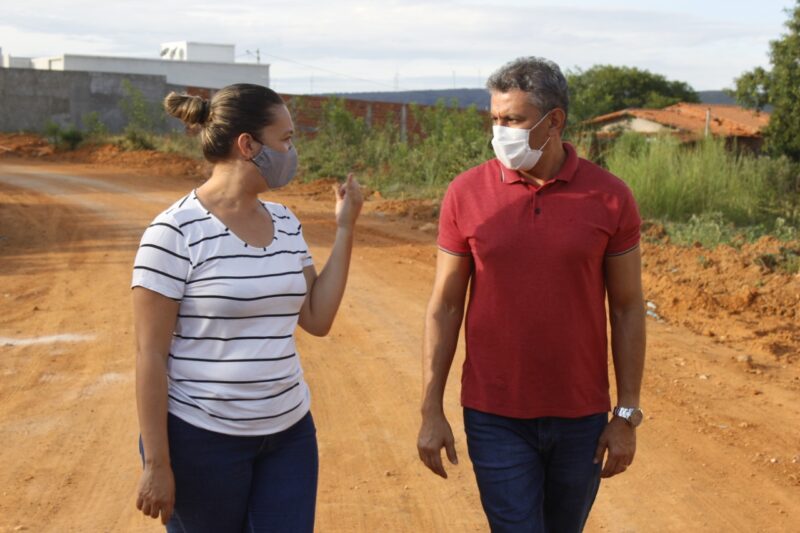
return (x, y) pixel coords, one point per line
(441, 337)
(628, 348)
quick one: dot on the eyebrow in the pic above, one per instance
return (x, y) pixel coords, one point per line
(508, 117)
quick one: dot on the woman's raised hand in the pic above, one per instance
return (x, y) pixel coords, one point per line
(349, 200)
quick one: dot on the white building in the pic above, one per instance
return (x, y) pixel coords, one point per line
(202, 65)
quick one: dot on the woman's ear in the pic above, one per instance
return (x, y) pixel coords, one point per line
(246, 146)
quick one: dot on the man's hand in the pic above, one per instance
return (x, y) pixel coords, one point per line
(434, 435)
(619, 438)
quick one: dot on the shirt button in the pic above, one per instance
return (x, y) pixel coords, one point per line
(537, 210)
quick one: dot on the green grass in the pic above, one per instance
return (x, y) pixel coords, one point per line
(703, 193)
(179, 143)
(674, 183)
(421, 164)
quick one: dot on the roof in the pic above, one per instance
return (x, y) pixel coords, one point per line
(726, 120)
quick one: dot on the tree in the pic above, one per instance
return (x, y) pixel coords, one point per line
(778, 87)
(605, 88)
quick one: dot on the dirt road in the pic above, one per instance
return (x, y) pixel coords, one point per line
(719, 450)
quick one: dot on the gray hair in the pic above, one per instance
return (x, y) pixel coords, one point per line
(539, 77)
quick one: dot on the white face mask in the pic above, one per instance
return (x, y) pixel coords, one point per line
(512, 148)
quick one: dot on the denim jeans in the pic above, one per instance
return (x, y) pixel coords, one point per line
(236, 484)
(535, 475)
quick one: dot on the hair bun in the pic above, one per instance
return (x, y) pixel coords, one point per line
(192, 110)
(205, 110)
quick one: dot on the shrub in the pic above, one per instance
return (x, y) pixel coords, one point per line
(72, 137)
(93, 126)
(144, 119)
(67, 137)
(134, 139)
(448, 142)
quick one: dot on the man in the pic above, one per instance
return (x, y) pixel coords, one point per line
(540, 236)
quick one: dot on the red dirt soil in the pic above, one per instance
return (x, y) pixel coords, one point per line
(719, 450)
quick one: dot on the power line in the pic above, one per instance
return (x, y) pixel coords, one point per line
(335, 73)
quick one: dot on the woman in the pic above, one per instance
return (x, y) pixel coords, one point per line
(220, 282)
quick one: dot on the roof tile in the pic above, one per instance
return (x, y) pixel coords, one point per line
(726, 120)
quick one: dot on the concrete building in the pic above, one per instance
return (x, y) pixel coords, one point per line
(8, 61)
(190, 64)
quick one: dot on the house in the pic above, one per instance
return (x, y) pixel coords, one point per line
(690, 122)
(182, 63)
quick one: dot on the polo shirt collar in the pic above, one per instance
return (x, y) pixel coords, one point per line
(565, 173)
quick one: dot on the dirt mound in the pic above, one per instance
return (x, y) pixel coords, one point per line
(26, 145)
(318, 189)
(160, 162)
(422, 210)
(730, 294)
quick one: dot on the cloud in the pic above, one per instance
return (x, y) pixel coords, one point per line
(35, 43)
(412, 38)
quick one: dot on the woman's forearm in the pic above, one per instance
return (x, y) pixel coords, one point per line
(151, 401)
(325, 295)
(154, 318)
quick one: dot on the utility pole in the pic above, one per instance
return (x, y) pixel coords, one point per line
(257, 53)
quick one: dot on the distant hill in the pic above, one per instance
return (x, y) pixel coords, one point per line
(480, 97)
(715, 97)
(465, 97)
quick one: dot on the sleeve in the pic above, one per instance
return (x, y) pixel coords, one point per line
(162, 262)
(450, 237)
(626, 237)
(305, 258)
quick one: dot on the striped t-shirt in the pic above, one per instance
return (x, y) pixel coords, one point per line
(233, 367)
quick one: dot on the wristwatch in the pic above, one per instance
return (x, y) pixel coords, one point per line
(631, 415)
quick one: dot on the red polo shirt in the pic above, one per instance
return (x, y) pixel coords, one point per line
(536, 321)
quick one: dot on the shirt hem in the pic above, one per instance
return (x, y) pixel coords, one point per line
(623, 252)
(189, 415)
(158, 288)
(558, 412)
(452, 252)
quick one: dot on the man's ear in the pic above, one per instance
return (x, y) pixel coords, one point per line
(558, 119)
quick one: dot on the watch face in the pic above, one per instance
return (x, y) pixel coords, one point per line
(633, 415)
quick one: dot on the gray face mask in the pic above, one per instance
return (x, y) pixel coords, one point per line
(277, 168)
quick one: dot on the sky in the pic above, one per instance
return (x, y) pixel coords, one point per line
(320, 46)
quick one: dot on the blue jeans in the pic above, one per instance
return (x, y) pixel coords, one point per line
(535, 475)
(235, 484)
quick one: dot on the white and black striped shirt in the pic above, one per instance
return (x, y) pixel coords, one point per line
(233, 367)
